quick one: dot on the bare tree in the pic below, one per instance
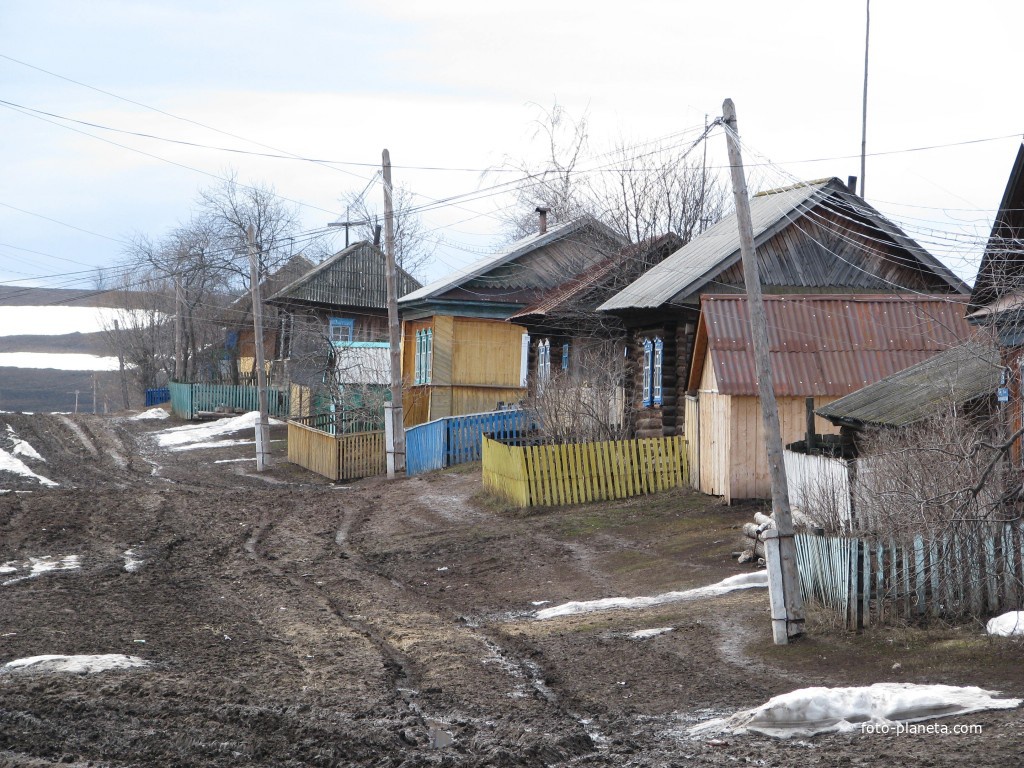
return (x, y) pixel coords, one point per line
(585, 402)
(413, 250)
(640, 191)
(229, 209)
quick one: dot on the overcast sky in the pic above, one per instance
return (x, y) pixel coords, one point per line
(456, 84)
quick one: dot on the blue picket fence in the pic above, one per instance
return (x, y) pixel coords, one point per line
(457, 439)
(157, 396)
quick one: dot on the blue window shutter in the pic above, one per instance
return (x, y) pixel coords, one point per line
(659, 355)
(565, 356)
(418, 379)
(648, 354)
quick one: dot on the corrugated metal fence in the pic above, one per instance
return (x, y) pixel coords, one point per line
(456, 439)
(188, 400)
(971, 570)
(336, 457)
(548, 475)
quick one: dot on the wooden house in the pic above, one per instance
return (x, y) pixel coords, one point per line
(582, 350)
(813, 238)
(822, 347)
(332, 322)
(997, 301)
(459, 354)
(240, 333)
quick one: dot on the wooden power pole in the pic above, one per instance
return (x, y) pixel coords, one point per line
(780, 546)
(120, 365)
(262, 426)
(395, 426)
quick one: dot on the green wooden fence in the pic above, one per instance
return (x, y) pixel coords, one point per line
(189, 400)
(971, 570)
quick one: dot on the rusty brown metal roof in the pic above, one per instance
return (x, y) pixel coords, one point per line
(827, 345)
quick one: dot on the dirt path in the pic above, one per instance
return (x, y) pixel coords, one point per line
(391, 624)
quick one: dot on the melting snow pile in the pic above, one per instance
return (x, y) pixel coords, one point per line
(78, 664)
(37, 566)
(731, 584)
(643, 634)
(204, 433)
(9, 461)
(152, 413)
(1008, 624)
(132, 563)
(810, 711)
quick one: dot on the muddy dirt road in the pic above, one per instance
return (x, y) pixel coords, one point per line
(290, 622)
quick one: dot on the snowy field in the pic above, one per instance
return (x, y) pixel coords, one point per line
(57, 320)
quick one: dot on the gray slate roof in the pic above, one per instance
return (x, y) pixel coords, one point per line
(958, 375)
(688, 270)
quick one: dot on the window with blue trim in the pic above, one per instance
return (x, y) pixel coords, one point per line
(341, 329)
(424, 356)
(659, 355)
(654, 355)
(648, 359)
(565, 356)
(544, 360)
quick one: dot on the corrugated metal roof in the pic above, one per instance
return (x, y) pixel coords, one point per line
(828, 345)
(958, 375)
(703, 259)
(353, 277)
(504, 256)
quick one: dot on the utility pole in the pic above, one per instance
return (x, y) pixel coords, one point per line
(780, 547)
(394, 420)
(120, 365)
(262, 426)
(864, 108)
(94, 393)
(179, 329)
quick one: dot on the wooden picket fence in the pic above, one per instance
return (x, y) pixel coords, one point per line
(336, 457)
(574, 473)
(189, 400)
(974, 570)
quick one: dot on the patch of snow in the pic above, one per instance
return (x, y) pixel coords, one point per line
(52, 663)
(232, 461)
(57, 321)
(212, 444)
(8, 568)
(731, 584)
(131, 561)
(11, 463)
(22, 447)
(197, 433)
(643, 634)
(443, 568)
(540, 602)
(152, 413)
(37, 566)
(61, 361)
(809, 711)
(1008, 624)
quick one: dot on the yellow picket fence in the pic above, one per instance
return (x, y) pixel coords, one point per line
(550, 475)
(336, 457)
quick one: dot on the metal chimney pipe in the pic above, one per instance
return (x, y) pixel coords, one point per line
(851, 184)
(543, 218)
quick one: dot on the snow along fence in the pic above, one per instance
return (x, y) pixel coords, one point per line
(573, 473)
(336, 457)
(189, 400)
(455, 440)
(971, 571)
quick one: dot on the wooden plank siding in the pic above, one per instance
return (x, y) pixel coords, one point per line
(485, 352)
(576, 473)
